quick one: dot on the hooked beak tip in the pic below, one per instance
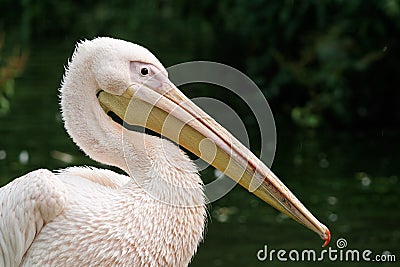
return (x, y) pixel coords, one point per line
(327, 238)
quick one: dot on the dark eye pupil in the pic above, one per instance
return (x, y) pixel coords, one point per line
(144, 71)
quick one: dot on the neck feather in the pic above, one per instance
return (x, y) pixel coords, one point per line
(157, 165)
(85, 121)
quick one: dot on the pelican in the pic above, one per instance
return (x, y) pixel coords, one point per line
(155, 215)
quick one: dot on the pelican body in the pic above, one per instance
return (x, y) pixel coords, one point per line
(153, 216)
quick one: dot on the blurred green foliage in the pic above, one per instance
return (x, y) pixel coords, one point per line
(10, 67)
(323, 63)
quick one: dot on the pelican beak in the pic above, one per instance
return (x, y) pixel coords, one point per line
(158, 105)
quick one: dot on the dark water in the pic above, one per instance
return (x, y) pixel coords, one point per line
(349, 180)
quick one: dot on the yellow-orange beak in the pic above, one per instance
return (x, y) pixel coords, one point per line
(161, 107)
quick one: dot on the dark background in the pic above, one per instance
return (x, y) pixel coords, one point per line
(320, 63)
(329, 69)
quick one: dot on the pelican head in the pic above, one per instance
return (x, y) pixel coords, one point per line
(127, 81)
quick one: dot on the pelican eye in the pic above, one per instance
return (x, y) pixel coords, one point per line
(144, 71)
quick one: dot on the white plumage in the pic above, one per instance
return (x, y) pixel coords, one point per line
(93, 217)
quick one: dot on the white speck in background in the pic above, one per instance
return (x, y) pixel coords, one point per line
(365, 181)
(23, 157)
(3, 154)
